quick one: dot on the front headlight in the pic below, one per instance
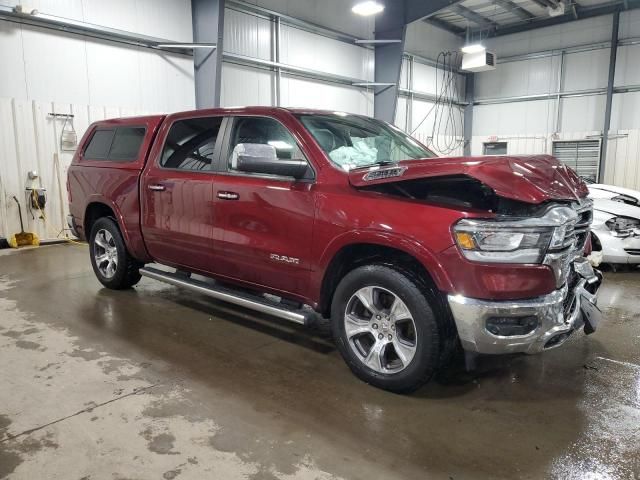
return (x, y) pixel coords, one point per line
(488, 241)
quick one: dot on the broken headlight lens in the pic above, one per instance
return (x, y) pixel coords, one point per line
(623, 226)
(488, 241)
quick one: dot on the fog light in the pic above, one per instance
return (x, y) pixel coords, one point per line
(510, 326)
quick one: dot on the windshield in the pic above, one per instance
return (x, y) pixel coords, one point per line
(352, 141)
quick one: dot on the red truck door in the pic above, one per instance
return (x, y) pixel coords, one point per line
(267, 220)
(178, 215)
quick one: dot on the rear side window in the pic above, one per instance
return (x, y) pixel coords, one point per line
(126, 143)
(99, 145)
(116, 144)
(190, 144)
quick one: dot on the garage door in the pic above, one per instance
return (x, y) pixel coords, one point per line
(583, 156)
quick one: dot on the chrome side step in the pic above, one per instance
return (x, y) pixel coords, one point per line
(241, 299)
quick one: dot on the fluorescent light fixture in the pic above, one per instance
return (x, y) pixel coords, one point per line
(367, 8)
(473, 48)
(187, 45)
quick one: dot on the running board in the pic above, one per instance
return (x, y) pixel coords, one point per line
(241, 299)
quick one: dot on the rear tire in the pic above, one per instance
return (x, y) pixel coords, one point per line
(114, 267)
(395, 343)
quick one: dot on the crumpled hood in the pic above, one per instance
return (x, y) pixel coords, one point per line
(532, 179)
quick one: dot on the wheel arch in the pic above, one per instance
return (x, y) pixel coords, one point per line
(95, 210)
(349, 256)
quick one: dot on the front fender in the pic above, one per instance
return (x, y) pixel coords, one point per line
(427, 258)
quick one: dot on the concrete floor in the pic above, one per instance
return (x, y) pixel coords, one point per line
(160, 383)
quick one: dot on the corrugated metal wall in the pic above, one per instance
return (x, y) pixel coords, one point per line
(252, 36)
(531, 126)
(47, 71)
(625, 149)
(48, 66)
(169, 19)
(30, 140)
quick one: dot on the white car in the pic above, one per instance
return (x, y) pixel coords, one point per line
(616, 224)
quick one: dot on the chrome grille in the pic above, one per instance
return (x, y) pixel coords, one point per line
(576, 235)
(583, 224)
(577, 231)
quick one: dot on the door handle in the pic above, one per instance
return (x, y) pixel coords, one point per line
(228, 195)
(157, 188)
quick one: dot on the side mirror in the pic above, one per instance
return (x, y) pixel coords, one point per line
(261, 158)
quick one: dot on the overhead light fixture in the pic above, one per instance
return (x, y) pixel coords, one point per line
(473, 48)
(367, 8)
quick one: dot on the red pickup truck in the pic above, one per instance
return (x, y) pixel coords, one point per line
(316, 216)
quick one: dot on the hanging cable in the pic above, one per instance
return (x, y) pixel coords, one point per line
(447, 128)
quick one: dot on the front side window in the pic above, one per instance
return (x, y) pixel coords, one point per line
(250, 131)
(190, 144)
(352, 141)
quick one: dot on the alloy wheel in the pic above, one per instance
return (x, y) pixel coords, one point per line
(380, 329)
(105, 253)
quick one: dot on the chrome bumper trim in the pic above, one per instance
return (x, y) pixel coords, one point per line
(471, 316)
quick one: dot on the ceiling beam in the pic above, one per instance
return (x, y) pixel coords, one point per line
(472, 16)
(421, 9)
(449, 27)
(544, 3)
(582, 12)
(514, 8)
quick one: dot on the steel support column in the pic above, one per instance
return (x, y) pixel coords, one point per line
(208, 21)
(388, 59)
(607, 112)
(392, 25)
(467, 127)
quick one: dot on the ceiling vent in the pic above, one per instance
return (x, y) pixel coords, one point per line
(479, 61)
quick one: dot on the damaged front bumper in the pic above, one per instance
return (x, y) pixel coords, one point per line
(618, 249)
(532, 325)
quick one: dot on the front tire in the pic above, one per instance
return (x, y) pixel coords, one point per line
(385, 328)
(114, 267)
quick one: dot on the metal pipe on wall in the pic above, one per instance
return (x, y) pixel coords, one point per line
(559, 98)
(469, 92)
(610, 90)
(410, 99)
(275, 56)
